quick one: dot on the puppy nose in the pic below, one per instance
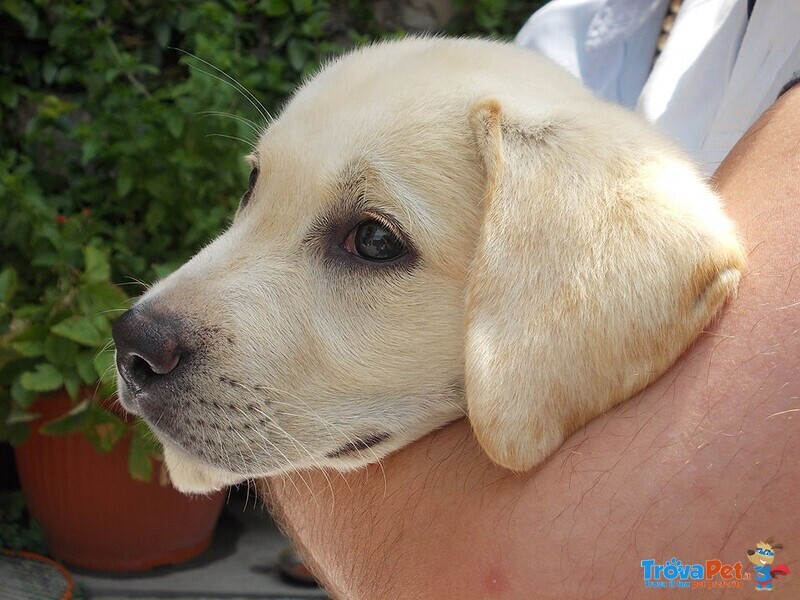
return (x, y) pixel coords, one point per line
(149, 347)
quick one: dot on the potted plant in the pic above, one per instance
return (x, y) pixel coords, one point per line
(87, 471)
(109, 176)
(92, 163)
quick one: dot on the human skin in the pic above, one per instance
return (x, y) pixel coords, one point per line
(701, 465)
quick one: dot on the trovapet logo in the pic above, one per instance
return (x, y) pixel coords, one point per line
(762, 558)
(716, 574)
(709, 574)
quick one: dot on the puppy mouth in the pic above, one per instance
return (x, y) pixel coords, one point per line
(359, 444)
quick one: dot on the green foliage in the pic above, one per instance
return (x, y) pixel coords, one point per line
(18, 531)
(144, 448)
(500, 19)
(121, 139)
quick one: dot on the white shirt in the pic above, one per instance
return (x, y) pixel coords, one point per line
(718, 72)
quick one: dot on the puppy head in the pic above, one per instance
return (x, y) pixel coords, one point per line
(426, 218)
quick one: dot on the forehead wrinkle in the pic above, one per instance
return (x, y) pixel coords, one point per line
(356, 189)
(374, 185)
(413, 207)
(350, 181)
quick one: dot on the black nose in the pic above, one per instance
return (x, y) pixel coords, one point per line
(149, 346)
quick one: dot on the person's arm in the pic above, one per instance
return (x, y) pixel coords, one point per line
(701, 465)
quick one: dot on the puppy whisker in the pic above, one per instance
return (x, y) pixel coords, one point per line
(265, 439)
(112, 310)
(231, 81)
(299, 445)
(135, 281)
(248, 143)
(244, 120)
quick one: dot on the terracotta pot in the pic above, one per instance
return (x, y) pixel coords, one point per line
(94, 515)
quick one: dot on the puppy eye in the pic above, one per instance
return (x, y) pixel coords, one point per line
(250, 185)
(373, 241)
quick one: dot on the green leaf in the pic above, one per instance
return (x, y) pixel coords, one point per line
(140, 467)
(154, 217)
(175, 126)
(85, 368)
(124, 183)
(281, 33)
(72, 384)
(105, 429)
(297, 53)
(144, 448)
(9, 96)
(302, 7)
(102, 325)
(8, 284)
(14, 433)
(162, 33)
(45, 378)
(45, 259)
(53, 107)
(21, 396)
(81, 330)
(489, 15)
(111, 74)
(59, 351)
(29, 348)
(187, 19)
(18, 415)
(49, 71)
(102, 296)
(25, 13)
(274, 8)
(96, 264)
(314, 25)
(90, 149)
(105, 367)
(75, 420)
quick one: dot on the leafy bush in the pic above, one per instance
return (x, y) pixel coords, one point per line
(18, 531)
(120, 157)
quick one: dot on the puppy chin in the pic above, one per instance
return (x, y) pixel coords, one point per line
(190, 476)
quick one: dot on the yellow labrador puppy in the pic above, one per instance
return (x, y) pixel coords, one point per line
(433, 227)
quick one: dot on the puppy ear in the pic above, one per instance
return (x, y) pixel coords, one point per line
(602, 255)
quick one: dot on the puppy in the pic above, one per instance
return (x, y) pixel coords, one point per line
(432, 228)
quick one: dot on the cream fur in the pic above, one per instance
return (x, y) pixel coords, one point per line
(567, 254)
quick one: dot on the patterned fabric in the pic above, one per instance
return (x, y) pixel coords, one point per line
(724, 63)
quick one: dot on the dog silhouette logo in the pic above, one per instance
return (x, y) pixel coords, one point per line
(763, 558)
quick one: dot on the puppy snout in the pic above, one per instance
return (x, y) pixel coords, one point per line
(149, 347)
